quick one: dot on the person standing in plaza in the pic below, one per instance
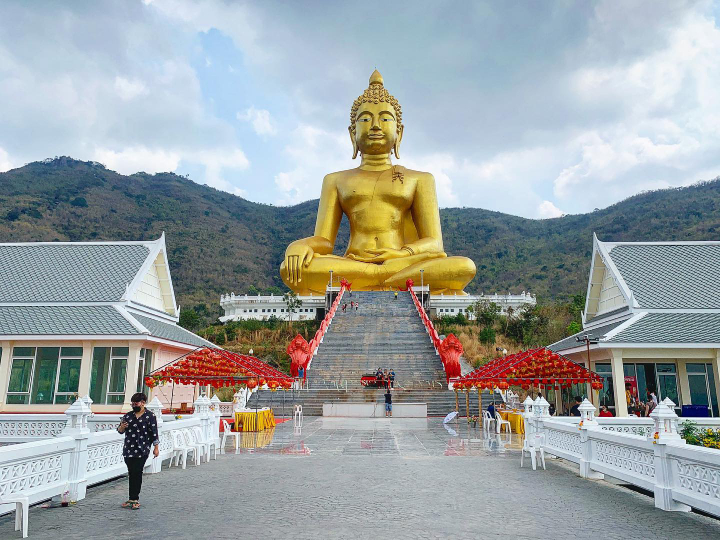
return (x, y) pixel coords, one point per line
(388, 403)
(140, 429)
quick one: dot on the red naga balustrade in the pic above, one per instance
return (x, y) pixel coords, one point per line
(300, 351)
(450, 349)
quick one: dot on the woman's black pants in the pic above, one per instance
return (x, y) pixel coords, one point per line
(135, 471)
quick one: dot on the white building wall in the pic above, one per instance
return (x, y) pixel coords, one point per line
(261, 307)
(149, 292)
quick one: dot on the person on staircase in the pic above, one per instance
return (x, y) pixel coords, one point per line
(386, 378)
(395, 295)
(388, 403)
(392, 378)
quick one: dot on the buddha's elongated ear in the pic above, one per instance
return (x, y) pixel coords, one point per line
(396, 147)
(352, 140)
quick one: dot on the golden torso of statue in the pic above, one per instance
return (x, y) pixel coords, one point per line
(377, 209)
(395, 231)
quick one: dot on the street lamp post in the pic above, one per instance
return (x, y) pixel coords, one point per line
(422, 288)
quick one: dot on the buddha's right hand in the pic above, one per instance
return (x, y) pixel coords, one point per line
(297, 257)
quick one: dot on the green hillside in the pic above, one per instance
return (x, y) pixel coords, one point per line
(218, 242)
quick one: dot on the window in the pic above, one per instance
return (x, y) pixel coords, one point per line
(44, 375)
(702, 386)
(21, 375)
(68, 376)
(107, 377)
(667, 382)
(607, 394)
(144, 367)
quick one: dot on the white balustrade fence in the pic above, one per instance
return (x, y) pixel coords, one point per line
(77, 457)
(645, 452)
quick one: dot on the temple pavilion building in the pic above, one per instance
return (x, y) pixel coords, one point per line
(85, 318)
(652, 322)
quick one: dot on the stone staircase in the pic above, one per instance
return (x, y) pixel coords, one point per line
(383, 332)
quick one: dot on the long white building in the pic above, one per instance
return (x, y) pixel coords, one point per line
(262, 307)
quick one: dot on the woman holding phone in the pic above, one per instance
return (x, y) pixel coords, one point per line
(140, 429)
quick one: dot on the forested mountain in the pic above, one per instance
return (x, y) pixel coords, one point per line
(219, 243)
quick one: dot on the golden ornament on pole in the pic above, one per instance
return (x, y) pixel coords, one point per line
(393, 213)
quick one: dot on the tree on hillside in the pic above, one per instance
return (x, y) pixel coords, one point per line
(486, 313)
(292, 302)
(189, 319)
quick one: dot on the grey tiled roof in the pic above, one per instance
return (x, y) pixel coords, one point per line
(571, 342)
(672, 328)
(171, 331)
(612, 313)
(73, 320)
(68, 272)
(671, 276)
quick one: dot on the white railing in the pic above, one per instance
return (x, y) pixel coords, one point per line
(17, 428)
(79, 457)
(645, 452)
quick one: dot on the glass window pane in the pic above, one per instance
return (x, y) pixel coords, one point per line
(118, 398)
(117, 375)
(71, 352)
(46, 365)
(698, 389)
(713, 393)
(695, 368)
(18, 399)
(120, 351)
(23, 351)
(666, 368)
(668, 388)
(69, 378)
(99, 374)
(20, 376)
(603, 368)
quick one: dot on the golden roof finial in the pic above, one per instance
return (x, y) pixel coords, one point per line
(376, 78)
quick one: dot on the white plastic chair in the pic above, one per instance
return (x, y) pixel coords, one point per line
(227, 433)
(180, 449)
(297, 415)
(22, 509)
(190, 441)
(209, 444)
(499, 423)
(487, 421)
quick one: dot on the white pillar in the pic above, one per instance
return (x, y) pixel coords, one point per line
(618, 376)
(154, 465)
(133, 362)
(85, 369)
(587, 424)
(77, 428)
(5, 361)
(665, 434)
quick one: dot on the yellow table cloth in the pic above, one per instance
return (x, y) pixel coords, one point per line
(515, 419)
(252, 421)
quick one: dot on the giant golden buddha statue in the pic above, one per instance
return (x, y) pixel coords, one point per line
(393, 214)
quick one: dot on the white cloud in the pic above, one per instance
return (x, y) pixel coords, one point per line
(315, 153)
(260, 119)
(136, 159)
(128, 89)
(548, 210)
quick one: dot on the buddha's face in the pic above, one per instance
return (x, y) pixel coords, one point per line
(376, 128)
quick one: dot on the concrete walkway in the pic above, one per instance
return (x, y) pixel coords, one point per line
(343, 478)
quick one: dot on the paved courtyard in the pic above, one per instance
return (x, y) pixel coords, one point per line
(340, 478)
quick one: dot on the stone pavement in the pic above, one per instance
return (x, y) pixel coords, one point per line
(342, 478)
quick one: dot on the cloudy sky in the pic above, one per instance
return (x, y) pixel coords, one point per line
(530, 108)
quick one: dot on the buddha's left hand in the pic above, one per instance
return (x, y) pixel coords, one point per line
(381, 255)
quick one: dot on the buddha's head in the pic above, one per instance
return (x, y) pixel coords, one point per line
(376, 121)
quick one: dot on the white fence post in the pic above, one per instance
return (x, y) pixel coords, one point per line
(202, 410)
(217, 413)
(665, 433)
(154, 466)
(587, 421)
(76, 428)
